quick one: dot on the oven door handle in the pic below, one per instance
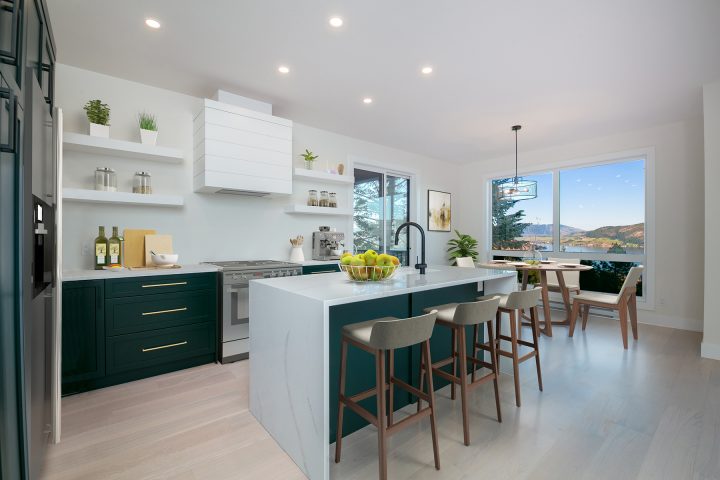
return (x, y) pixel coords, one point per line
(236, 288)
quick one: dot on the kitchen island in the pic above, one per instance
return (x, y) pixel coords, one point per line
(295, 326)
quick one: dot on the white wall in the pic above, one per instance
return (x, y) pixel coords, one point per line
(678, 205)
(711, 112)
(209, 227)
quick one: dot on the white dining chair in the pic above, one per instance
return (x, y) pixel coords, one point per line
(465, 262)
(572, 279)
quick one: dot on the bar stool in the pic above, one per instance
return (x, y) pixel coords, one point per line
(511, 304)
(381, 337)
(457, 316)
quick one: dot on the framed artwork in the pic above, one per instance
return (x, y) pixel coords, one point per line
(439, 211)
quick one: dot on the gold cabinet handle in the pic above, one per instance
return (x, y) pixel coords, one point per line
(165, 311)
(164, 284)
(164, 346)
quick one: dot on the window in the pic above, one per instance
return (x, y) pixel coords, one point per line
(592, 212)
(381, 203)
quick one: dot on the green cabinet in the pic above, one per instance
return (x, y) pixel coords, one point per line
(83, 328)
(124, 329)
(317, 269)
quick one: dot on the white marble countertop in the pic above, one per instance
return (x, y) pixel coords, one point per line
(75, 275)
(337, 289)
(309, 263)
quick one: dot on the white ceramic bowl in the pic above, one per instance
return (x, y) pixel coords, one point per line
(164, 258)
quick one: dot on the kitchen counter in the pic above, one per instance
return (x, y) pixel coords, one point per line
(295, 328)
(310, 263)
(75, 275)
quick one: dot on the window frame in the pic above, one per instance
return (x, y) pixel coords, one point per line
(647, 301)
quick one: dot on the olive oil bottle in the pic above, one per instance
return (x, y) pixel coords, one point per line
(114, 250)
(101, 249)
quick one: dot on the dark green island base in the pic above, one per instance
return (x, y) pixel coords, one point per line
(361, 365)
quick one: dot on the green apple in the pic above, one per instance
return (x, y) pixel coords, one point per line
(346, 259)
(370, 257)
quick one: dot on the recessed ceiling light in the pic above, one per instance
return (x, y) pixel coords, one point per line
(152, 23)
(283, 69)
(336, 22)
(427, 70)
(367, 100)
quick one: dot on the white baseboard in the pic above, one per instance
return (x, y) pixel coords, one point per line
(710, 350)
(681, 323)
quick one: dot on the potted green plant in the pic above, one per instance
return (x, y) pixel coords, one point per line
(98, 114)
(462, 246)
(309, 158)
(148, 128)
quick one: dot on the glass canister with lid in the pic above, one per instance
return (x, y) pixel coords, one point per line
(332, 202)
(312, 200)
(105, 179)
(142, 183)
(324, 199)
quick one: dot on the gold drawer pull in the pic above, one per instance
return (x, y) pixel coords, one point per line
(164, 346)
(164, 284)
(165, 311)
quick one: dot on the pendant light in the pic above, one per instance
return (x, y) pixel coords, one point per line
(517, 189)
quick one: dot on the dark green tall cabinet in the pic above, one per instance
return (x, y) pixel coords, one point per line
(26, 48)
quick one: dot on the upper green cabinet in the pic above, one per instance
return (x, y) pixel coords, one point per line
(83, 330)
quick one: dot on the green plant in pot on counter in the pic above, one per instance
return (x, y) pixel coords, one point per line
(309, 158)
(148, 128)
(462, 246)
(98, 114)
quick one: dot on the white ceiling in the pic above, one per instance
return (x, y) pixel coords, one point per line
(566, 70)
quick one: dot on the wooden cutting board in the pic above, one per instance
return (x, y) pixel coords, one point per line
(135, 246)
(157, 244)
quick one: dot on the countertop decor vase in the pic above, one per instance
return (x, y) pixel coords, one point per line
(309, 164)
(297, 255)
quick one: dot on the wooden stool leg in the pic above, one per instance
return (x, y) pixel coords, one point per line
(623, 322)
(515, 360)
(546, 303)
(498, 320)
(380, 394)
(496, 370)
(632, 306)
(475, 338)
(341, 403)
(431, 394)
(391, 374)
(585, 315)
(534, 316)
(422, 377)
(454, 364)
(462, 348)
(573, 317)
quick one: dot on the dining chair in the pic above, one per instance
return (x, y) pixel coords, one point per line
(465, 262)
(622, 302)
(572, 279)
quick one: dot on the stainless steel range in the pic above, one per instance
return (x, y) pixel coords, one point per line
(234, 288)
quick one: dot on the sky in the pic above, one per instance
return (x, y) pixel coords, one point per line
(591, 197)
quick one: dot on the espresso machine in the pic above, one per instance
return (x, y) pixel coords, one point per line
(327, 245)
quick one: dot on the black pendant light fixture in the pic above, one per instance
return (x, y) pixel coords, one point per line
(516, 188)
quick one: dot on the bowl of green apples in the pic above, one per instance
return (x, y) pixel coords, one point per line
(369, 266)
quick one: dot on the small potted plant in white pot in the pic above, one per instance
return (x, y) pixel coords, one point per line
(98, 114)
(148, 128)
(309, 158)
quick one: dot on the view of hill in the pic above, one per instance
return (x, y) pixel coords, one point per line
(545, 230)
(623, 233)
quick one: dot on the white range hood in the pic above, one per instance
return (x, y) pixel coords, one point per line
(241, 151)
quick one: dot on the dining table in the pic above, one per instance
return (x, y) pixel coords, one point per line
(543, 267)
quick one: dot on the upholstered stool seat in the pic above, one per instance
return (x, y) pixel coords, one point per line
(457, 316)
(381, 337)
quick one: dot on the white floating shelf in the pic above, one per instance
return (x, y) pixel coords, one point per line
(95, 196)
(78, 142)
(305, 174)
(306, 210)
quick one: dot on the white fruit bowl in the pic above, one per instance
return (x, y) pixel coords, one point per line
(369, 274)
(164, 259)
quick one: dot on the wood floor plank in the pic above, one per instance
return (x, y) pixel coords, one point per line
(651, 412)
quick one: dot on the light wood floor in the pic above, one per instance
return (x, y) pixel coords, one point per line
(652, 412)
